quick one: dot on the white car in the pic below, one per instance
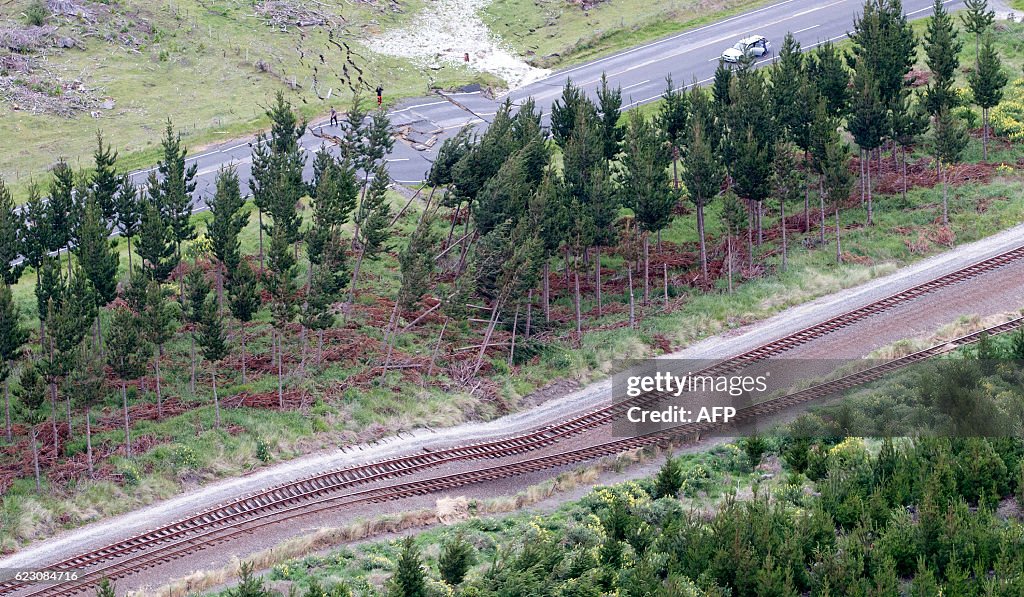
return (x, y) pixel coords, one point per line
(755, 45)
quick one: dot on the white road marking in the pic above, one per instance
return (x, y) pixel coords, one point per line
(806, 29)
(636, 84)
(816, 8)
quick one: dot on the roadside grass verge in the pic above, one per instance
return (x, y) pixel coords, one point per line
(554, 33)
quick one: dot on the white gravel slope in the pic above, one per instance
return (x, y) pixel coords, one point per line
(446, 31)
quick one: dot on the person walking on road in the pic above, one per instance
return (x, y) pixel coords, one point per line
(334, 117)
(380, 95)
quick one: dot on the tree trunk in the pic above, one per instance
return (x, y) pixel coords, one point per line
(355, 278)
(260, 214)
(388, 336)
(647, 268)
(68, 250)
(870, 214)
(632, 306)
(67, 405)
(451, 231)
(576, 276)
(7, 409)
(782, 220)
(821, 200)
(703, 246)
(759, 213)
(280, 372)
(216, 400)
(945, 200)
(665, 278)
(675, 170)
(127, 426)
(861, 160)
(129, 239)
(433, 355)
(728, 251)
(807, 198)
(492, 322)
(984, 134)
(597, 278)
(159, 393)
(529, 314)
(88, 439)
(903, 162)
(839, 249)
(35, 457)
(512, 347)
(192, 356)
(547, 291)
(241, 331)
(53, 418)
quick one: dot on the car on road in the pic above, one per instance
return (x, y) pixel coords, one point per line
(755, 45)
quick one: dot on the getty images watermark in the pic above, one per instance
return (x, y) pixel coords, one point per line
(689, 395)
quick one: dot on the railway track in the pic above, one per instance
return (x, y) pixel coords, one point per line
(222, 522)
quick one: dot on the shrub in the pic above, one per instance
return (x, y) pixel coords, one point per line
(456, 559)
(36, 13)
(669, 479)
(130, 474)
(1007, 119)
(262, 450)
(185, 457)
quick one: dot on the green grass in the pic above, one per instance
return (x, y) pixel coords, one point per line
(552, 33)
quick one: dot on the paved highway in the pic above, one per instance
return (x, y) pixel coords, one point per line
(640, 72)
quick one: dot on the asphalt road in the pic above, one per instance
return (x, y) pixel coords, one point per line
(640, 72)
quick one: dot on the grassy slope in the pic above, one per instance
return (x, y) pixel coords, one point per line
(556, 33)
(199, 69)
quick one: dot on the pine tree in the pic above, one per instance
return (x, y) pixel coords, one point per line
(105, 589)
(942, 50)
(10, 244)
(907, 122)
(828, 73)
(156, 243)
(643, 183)
(34, 232)
(669, 479)
(835, 169)
(721, 90)
(734, 218)
(673, 118)
(949, 143)
(59, 209)
(750, 170)
(196, 291)
(417, 264)
(277, 165)
(12, 339)
(987, 83)
(126, 354)
(372, 219)
(787, 79)
(243, 292)
(249, 585)
(172, 191)
(609, 107)
(334, 198)
(226, 222)
(214, 344)
(702, 175)
(159, 322)
(49, 287)
(282, 288)
(456, 558)
(977, 19)
(97, 256)
(129, 214)
(104, 182)
(786, 181)
(409, 579)
(867, 123)
(565, 111)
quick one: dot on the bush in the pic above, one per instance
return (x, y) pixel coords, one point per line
(1007, 119)
(669, 479)
(185, 457)
(130, 474)
(262, 450)
(456, 559)
(36, 13)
